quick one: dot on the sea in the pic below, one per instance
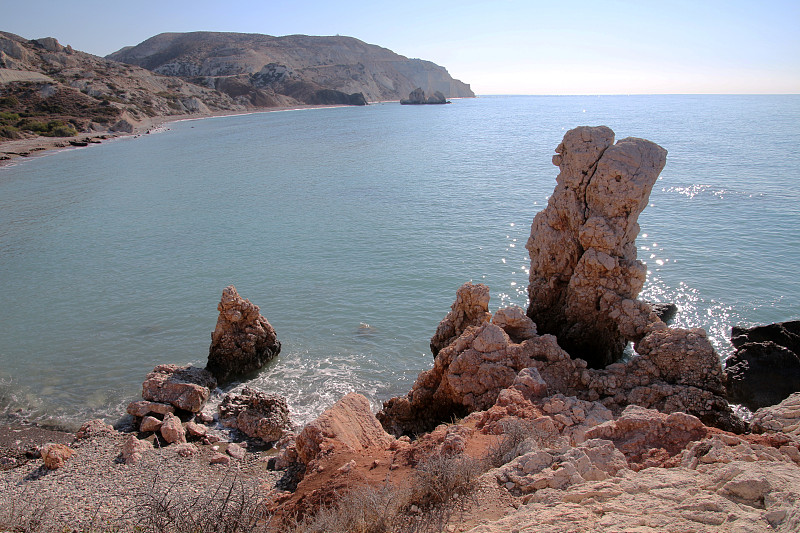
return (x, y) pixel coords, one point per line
(352, 228)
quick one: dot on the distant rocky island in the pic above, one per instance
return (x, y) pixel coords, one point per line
(51, 90)
(417, 97)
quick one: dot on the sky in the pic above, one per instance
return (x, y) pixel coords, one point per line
(498, 46)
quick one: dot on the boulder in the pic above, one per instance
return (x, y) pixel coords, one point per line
(133, 448)
(184, 387)
(349, 423)
(582, 245)
(172, 430)
(93, 428)
(243, 340)
(765, 368)
(256, 414)
(639, 431)
(150, 424)
(471, 308)
(143, 408)
(784, 417)
(55, 455)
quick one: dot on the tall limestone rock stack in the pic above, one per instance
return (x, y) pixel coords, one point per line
(243, 340)
(584, 272)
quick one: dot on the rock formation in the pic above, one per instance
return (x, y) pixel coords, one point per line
(183, 387)
(471, 308)
(584, 275)
(765, 368)
(784, 417)
(349, 423)
(584, 281)
(243, 340)
(417, 97)
(256, 414)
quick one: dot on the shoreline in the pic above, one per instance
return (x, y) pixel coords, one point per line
(12, 151)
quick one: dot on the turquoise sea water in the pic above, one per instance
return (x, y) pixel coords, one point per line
(113, 257)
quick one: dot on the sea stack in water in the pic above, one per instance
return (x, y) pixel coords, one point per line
(417, 97)
(584, 273)
(243, 340)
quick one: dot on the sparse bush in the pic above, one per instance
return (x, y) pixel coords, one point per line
(232, 507)
(518, 438)
(363, 510)
(9, 132)
(28, 513)
(444, 479)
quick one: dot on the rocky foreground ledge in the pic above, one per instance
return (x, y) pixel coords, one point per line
(528, 420)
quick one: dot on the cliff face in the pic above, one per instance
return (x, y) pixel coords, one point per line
(264, 70)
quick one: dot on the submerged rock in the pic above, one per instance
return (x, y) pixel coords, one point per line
(243, 340)
(582, 245)
(765, 368)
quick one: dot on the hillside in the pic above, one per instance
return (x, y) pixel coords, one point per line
(52, 90)
(263, 70)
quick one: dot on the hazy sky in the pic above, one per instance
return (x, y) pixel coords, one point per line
(498, 46)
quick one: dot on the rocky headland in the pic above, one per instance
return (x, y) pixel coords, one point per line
(52, 96)
(585, 412)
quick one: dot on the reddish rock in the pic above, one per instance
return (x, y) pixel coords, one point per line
(172, 430)
(256, 414)
(143, 408)
(184, 387)
(471, 308)
(582, 246)
(349, 422)
(235, 451)
(133, 448)
(243, 340)
(55, 455)
(219, 459)
(150, 424)
(94, 428)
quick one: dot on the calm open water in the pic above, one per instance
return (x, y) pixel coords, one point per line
(113, 257)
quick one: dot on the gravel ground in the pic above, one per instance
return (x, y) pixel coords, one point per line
(95, 491)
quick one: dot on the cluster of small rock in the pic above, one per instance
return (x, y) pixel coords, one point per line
(174, 396)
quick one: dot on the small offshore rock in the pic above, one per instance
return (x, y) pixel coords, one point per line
(243, 340)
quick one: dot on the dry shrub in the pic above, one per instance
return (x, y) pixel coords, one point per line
(232, 507)
(442, 484)
(363, 510)
(29, 512)
(519, 437)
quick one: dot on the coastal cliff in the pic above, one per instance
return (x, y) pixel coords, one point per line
(263, 70)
